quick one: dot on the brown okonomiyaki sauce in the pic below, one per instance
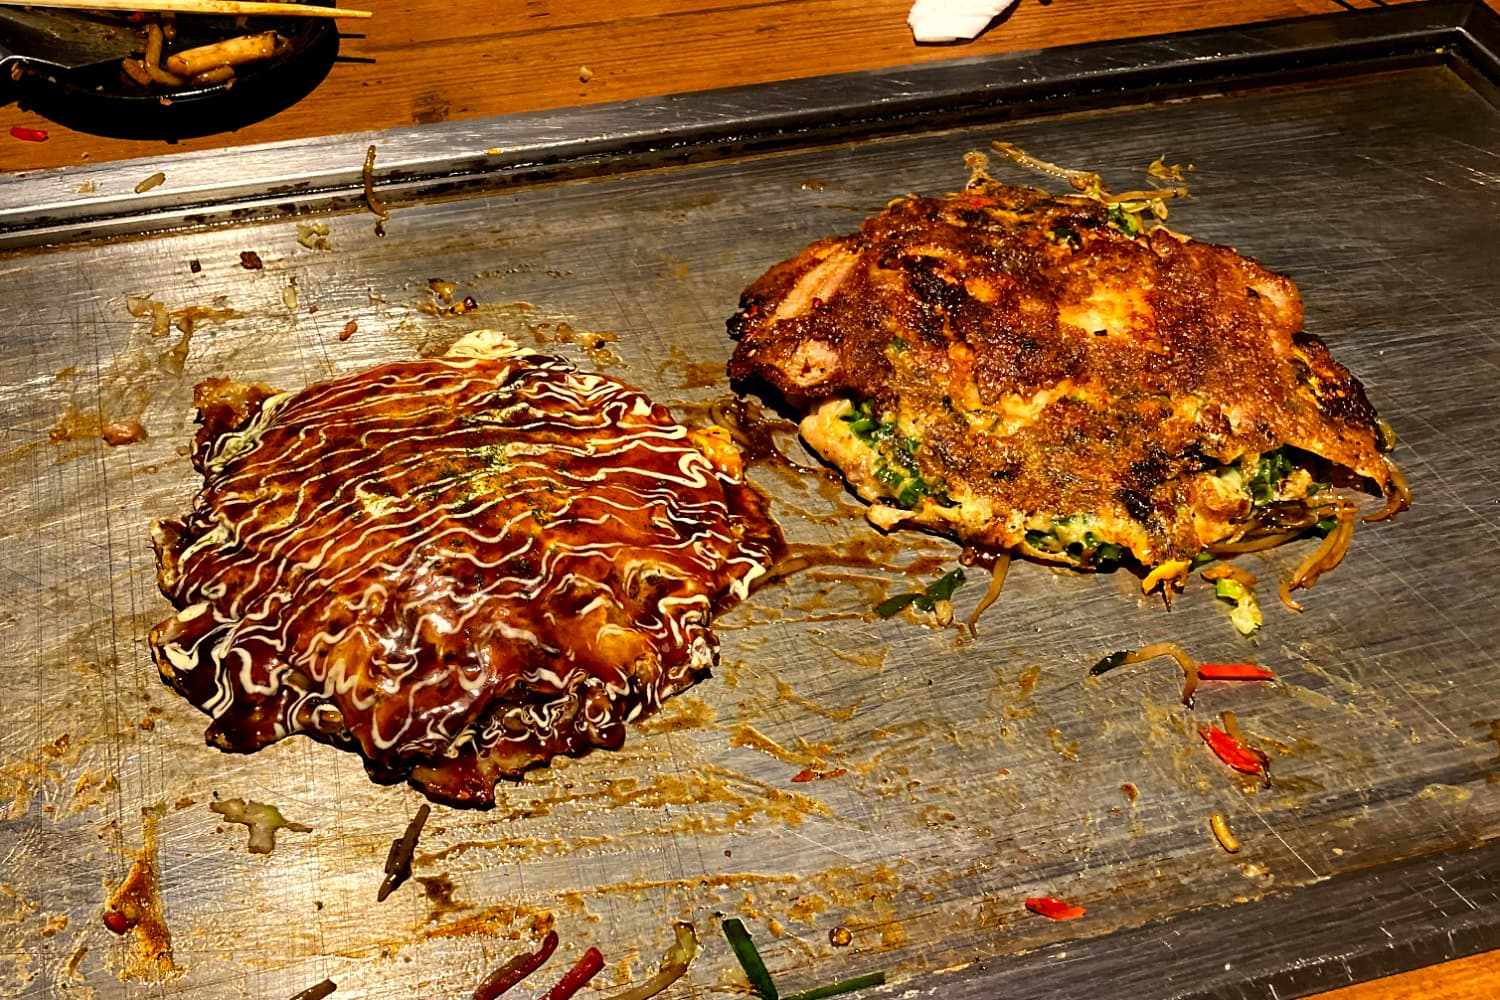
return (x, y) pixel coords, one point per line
(460, 567)
(135, 908)
(758, 434)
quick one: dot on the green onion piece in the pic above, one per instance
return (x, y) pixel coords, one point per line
(1229, 589)
(750, 961)
(1246, 613)
(943, 588)
(1108, 554)
(1109, 662)
(940, 589)
(894, 605)
(911, 493)
(840, 987)
(1124, 221)
(1268, 477)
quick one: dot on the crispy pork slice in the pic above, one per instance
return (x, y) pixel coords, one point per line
(1039, 373)
(459, 567)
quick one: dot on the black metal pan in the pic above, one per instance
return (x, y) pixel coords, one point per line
(66, 66)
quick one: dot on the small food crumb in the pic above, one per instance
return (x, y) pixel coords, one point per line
(1220, 827)
(155, 180)
(348, 330)
(289, 296)
(250, 260)
(585, 74)
(120, 432)
(314, 236)
(87, 187)
(840, 937)
(1167, 171)
(194, 266)
(263, 821)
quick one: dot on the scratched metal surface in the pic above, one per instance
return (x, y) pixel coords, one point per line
(976, 771)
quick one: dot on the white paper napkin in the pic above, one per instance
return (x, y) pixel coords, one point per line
(953, 20)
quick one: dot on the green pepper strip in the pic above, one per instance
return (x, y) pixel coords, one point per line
(840, 987)
(750, 961)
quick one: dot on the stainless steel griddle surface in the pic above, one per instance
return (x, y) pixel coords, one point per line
(966, 773)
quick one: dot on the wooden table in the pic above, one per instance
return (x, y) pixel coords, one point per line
(423, 61)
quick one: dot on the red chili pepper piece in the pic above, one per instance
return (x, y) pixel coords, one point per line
(587, 968)
(1056, 909)
(28, 134)
(1240, 756)
(516, 969)
(1233, 672)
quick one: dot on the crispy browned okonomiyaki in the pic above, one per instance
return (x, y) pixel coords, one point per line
(457, 566)
(1041, 374)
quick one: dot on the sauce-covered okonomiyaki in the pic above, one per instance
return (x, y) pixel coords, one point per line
(457, 566)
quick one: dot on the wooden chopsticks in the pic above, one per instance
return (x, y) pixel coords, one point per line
(221, 7)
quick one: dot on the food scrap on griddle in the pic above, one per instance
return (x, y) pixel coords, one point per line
(745, 952)
(260, 819)
(511, 972)
(398, 859)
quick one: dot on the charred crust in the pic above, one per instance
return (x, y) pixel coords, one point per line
(1136, 503)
